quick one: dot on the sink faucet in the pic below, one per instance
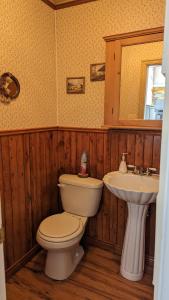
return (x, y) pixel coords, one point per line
(139, 171)
(142, 171)
(136, 170)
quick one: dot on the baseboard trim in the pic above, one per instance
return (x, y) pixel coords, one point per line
(116, 251)
(22, 261)
(93, 242)
(149, 261)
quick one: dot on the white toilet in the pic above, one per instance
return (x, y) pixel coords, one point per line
(60, 234)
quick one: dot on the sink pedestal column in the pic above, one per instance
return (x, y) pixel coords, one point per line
(133, 255)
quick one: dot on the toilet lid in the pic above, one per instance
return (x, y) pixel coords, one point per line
(59, 225)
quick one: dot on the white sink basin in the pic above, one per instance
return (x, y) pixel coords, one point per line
(138, 191)
(132, 188)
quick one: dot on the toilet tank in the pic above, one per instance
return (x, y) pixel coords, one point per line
(80, 196)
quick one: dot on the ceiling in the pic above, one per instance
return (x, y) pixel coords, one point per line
(58, 4)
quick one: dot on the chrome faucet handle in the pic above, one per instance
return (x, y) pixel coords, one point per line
(130, 168)
(153, 171)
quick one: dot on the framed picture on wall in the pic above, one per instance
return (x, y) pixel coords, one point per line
(97, 72)
(75, 85)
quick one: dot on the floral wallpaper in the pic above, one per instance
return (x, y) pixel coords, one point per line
(79, 43)
(42, 47)
(27, 39)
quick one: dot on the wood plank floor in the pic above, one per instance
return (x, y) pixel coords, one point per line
(96, 278)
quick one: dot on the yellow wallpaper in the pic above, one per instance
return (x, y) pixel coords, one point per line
(27, 49)
(132, 56)
(79, 32)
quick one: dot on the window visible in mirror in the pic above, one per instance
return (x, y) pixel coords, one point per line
(134, 63)
(124, 96)
(155, 93)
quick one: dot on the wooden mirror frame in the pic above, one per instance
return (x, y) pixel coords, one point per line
(114, 46)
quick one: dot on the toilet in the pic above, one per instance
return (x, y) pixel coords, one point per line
(60, 234)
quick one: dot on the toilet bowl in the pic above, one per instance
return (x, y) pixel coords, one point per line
(60, 234)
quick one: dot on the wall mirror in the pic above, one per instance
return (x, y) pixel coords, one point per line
(135, 86)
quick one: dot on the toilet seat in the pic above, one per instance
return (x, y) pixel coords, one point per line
(61, 227)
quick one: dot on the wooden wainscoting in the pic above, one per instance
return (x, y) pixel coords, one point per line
(32, 160)
(28, 176)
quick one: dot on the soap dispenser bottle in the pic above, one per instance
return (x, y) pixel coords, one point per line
(123, 165)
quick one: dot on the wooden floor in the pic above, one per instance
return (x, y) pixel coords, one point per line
(96, 278)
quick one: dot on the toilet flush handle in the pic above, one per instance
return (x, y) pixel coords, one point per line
(61, 185)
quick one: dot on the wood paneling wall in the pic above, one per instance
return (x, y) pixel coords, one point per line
(30, 163)
(28, 176)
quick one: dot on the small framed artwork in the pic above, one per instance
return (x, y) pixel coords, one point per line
(97, 72)
(75, 85)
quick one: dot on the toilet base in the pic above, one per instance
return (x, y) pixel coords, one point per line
(61, 263)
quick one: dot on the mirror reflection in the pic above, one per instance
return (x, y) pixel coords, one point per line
(142, 90)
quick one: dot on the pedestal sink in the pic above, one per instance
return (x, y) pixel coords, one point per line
(138, 191)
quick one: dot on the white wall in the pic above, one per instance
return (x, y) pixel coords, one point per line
(161, 271)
